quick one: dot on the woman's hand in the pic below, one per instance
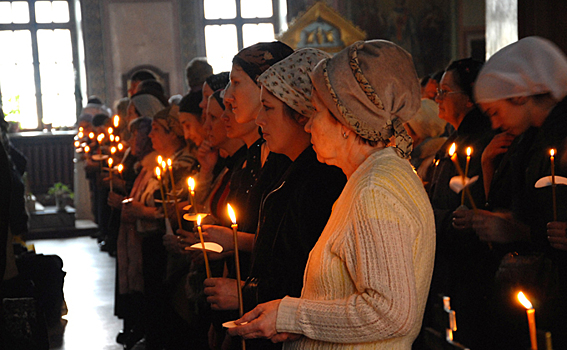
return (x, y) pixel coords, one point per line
(261, 323)
(463, 219)
(115, 200)
(219, 234)
(499, 227)
(207, 156)
(175, 244)
(499, 145)
(137, 210)
(222, 293)
(557, 234)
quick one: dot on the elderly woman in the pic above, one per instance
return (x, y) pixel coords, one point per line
(367, 277)
(523, 89)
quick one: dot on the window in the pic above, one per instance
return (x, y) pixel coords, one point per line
(231, 25)
(39, 63)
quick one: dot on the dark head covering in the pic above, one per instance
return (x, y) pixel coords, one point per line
(218, 81)
(190, 103)
(217, 96)
(465, 73)
(100, 119)
(255, 59)
(197, 70)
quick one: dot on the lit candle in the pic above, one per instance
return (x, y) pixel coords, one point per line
(469, 152)
(117, 138)
(453, 155)
(110, 161)
(158, 175)
(120, 146)
(99, 139)
(120, 168)
(87, 149)
(553, 195)
(110, 130)
(173, 191)
(203, 246)
(111, 137)
(164, 170)
(237, 262)
(112, 150)
(191, 186)
(81, 134)
(91, 135)
(81, 129)
(531, 318)
(116, 121)
(77, 144)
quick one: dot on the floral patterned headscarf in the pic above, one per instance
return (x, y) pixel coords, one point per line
(255, 59)
(289, 79)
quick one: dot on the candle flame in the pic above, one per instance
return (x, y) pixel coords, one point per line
(87, 149)
(116, 121)
(100, 137)
(231, 214)
(524, 301)
(163, 165)
(81, 129)
(120, 168)
(117, 138)
(120, 146)
(111, 137)
(159, 159)
(110, 130)
(168, 162)
(552, 152)
(191, 184)
(77, 144)
(469, 151)
(452, 149)
(110, 161)
(81, 134)
(91, 135)
(158, 172)
(199, 220)
(113, 150)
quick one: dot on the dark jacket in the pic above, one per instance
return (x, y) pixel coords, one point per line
(292, 216)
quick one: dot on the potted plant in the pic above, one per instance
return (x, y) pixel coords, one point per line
(60, 191)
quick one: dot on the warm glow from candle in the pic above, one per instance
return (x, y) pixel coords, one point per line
(159, 159)
(91, 135)
(81, 129)
(552, 152)
(168, 162)
(191, 184)
(120, 167)
(117, 138)
(163, 165)
(120, 146)
(110, 161)
(469, 151)
(81, 134)
(100, 137)
(87, 149)
(199, 220)
(158, 172)
(524, 301)
(452, 149)
(110, 130)
(77, 144)
(231, 214)
(111, 137)
(113, 150)
(116, 121)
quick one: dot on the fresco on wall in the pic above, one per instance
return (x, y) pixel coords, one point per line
(419, 27)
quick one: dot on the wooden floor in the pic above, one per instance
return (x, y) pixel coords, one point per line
(89, 293)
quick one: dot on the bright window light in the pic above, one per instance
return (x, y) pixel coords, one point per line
(256, 8)
(5, 13)
(20, 12)
(220, 9)
(255, 33)
(221, 45)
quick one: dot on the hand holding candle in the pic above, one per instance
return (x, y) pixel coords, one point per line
(531, 319)
(207, 267)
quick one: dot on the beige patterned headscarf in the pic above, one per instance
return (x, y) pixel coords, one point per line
(372, 88)
(289, 79)
(169, 119)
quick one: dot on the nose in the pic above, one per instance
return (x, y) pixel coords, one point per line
(260, 118)
(228, 95)
(307, 126)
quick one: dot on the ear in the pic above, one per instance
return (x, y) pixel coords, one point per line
(520, 100)
(302, 120)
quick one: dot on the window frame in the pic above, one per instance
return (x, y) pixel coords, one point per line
(33, 27)
(239, 21)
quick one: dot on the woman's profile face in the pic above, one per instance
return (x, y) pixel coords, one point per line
(509, 115)
(235, 130)
(278, 129)
(216, 133)
(160, 137)
(243, 95)
(453, 103)
(207, 92)
(326, 132)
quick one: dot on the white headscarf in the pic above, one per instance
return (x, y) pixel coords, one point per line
(530, 66)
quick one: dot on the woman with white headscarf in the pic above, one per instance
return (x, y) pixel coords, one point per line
(523, 89)
(367, 278)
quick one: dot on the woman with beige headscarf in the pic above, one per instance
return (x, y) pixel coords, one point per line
(367, 278)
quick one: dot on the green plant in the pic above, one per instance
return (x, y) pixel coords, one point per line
(12, 108)
(60, 189)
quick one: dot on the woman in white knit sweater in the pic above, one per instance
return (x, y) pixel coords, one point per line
(367, 278)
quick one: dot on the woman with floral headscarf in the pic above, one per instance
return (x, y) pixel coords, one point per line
(367, 277)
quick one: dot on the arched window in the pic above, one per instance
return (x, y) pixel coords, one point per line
(39, 72)
(231, 25)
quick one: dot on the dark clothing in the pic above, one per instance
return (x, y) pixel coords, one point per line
(292, 217)
(464, 266)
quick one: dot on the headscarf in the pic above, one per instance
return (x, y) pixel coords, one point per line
(169, 119)
(217, 95)
(426, 122)
(218, 81)
(530, 66)
(372, 88)
(289, 79)
(255, 59)
(147, 105)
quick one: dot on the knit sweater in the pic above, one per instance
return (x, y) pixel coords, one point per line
(367, 278)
